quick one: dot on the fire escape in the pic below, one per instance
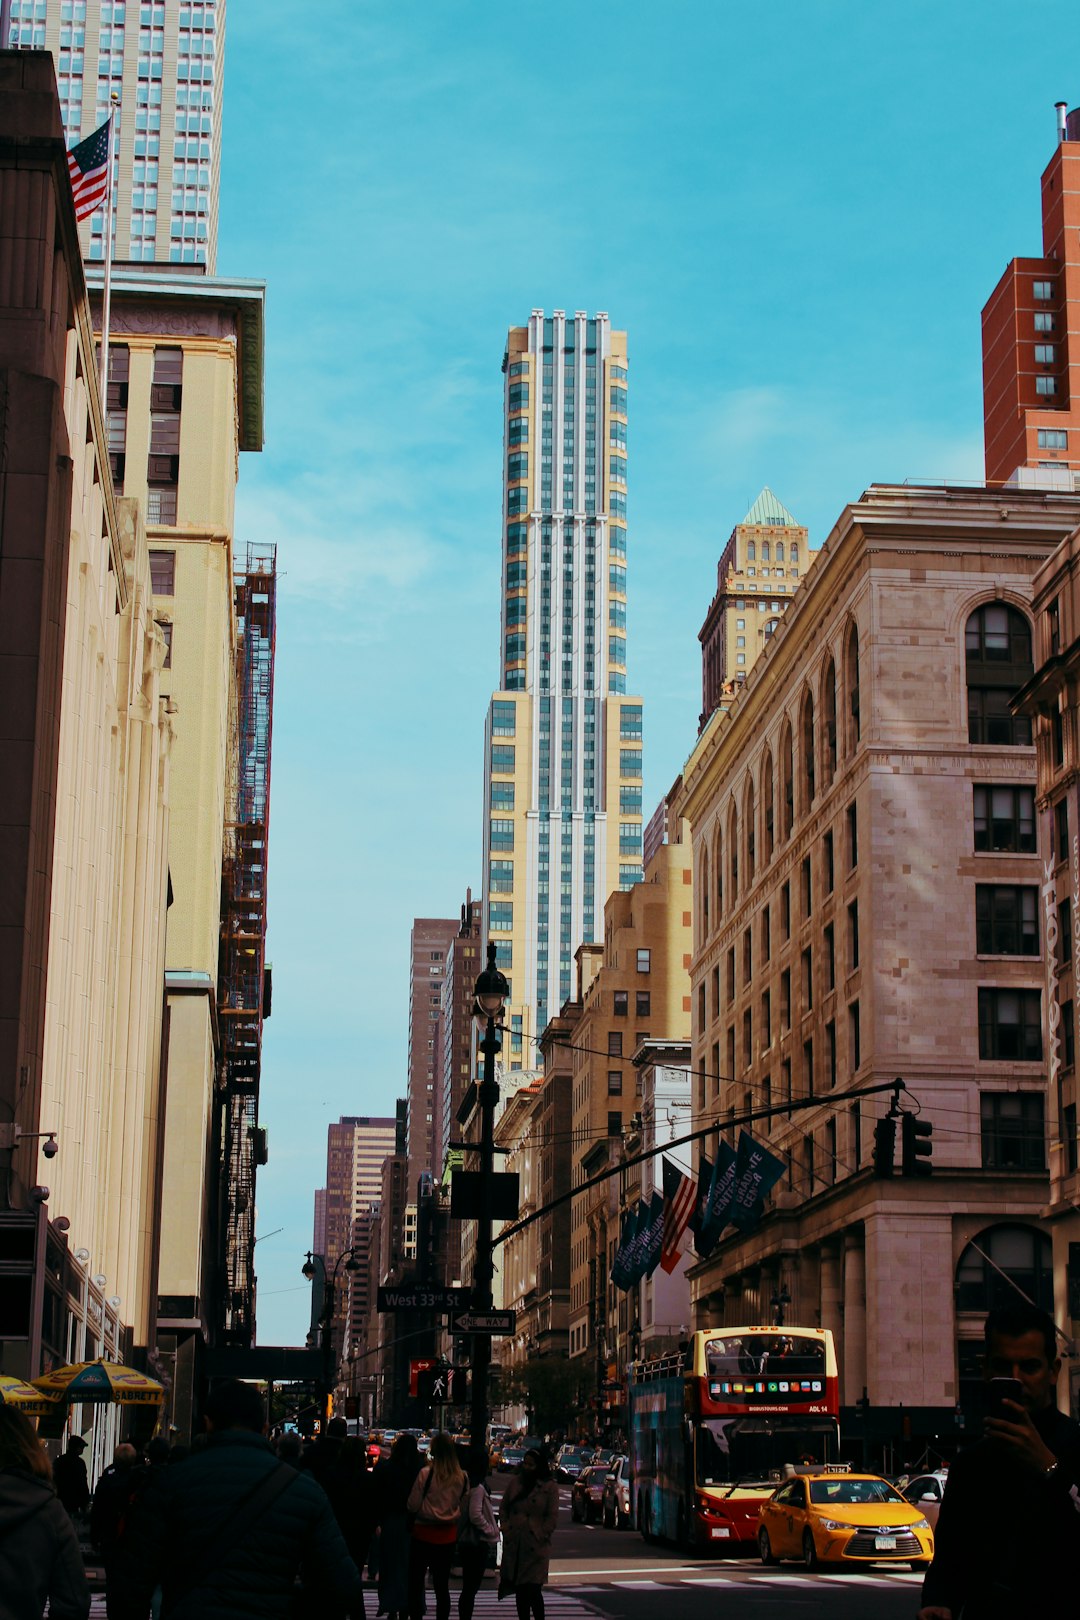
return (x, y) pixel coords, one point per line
(243, 983)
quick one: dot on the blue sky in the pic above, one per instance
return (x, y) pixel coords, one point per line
(797, 217)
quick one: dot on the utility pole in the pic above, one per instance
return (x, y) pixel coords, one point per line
(491, 993)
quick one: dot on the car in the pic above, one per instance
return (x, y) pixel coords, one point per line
(511, 1458)
(617, 1495)
(924, 1491)
(571, 1460)
(587, 1494)
(842, 1518)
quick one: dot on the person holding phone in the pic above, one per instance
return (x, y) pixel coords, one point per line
(1007, 1541)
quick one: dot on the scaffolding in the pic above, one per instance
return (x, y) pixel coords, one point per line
(243, 984)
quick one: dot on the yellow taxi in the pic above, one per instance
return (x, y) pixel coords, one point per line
(841, 1518)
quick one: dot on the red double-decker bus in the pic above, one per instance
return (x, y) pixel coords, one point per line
(713, 1432)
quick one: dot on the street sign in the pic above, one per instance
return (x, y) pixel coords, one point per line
(496, 1323)
(422, 1297)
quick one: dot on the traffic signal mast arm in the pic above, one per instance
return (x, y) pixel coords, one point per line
(833, 1100)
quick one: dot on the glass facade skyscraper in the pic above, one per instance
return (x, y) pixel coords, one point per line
(163, 60)
(562, 824)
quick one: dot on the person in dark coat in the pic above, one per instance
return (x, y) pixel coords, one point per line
(528, 1514)
(1007, 1541)
(113, 1496)
(69, 1477)
(40, 1559)
(392, 1481)
(176, 1537)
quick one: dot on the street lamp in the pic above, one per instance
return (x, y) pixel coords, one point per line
(779, 1302)
(492, 991)
(310, 1270)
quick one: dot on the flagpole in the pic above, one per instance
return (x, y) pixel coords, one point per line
(106, 296)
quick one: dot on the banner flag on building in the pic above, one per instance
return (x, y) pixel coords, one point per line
(620, 1266)
(653, 1244)
(680, 1197)
(88, 166)
(704, 1181)
(716, 1201)
(636, 1261)
(756, 1173)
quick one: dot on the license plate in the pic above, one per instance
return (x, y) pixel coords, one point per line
(885, 1543)
(719, 1532)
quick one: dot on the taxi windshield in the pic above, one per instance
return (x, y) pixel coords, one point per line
(851, 1492)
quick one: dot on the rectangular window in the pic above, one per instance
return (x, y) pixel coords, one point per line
(830, 1052)
(731, 974)
(1004, 818)
(1068, 1134)
(614, 1123)
(747, 1038)
(827, 852)
(629, 762)
(1010, 1025)
(1044, 322)
(1061, 830)
(1068, 1032)
(502, 877)
(644, 961)
(807, 979)
(614, 1043)
(1046, 386)
(855, 1113)
(852, 836)
(501, 916)
(766, 1021)
(747, 957)
(1043, 290)
(502, 758)
(1065, 940)
(163, 572)
(854, 1037)
(643, 1003)
(807, 888)
(785, 911)
(766, 934)
(808, 1066)
(1013, 1131)
(785, 1001)
(1044, 354)
(629, 801)
(620, 1003)
(1053, 438)
(165, 626)
(614, 1082)
(503, 719)
(1006, 920)
(502, 835)
(630, 721)
(830, 957)
(853, 935)
(502, 795)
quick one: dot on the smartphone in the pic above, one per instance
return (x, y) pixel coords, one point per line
(1000, 1390)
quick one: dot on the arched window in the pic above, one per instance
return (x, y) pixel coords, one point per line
(809, 769)
(751, 551)
(787, 782)
(768, 821)
(704, 931)
(853, 729)
(794, 553)
(733, 849)
(764, 551)
(828, 724)
(751, 835)
(1023, 1254)
(718, 868)
(997, 643)
(779, 551)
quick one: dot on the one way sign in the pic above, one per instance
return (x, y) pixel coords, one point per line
(496, 1323)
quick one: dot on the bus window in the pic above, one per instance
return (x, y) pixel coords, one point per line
(775, 1355)
(745, 1449)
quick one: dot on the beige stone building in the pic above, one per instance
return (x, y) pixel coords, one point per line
(85, 762)
(633, 986)
(767, 556)
(1051, 697)
(866, 889)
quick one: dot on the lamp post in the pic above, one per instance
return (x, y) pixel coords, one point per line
(491, 993)
(310, 1270)
(779, 1302)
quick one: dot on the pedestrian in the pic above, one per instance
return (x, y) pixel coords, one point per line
(227, 1533)
(392, 1482)
(1024, 1475)
(289, 1447)
(115, 1492)
(478, 1534)
(529, 1512)
(357, 1496)
(69, 1477)
(436, 1500)
(39, 1552)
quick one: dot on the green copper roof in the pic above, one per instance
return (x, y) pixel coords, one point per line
(768, 511)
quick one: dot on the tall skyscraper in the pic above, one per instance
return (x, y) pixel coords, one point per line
(164, 63)
(1031, 340)
(355, 1149)
(429, 942)
(757, 575)
(562, 811)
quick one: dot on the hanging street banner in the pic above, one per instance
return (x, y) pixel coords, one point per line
(756, 1173)
(653, 1243)
(716, 1208)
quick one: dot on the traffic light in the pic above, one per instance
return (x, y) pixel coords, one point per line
(916, 1146)
(885, 1146)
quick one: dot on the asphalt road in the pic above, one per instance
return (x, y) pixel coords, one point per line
(616, 1574)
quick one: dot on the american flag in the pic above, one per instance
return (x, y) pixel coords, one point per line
(88, 166)
(680, 1200)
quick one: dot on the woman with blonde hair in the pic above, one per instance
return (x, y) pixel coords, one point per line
(39, 1554)
(436, 1499)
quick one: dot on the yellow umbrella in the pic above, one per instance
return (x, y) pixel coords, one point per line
(15, 1392)
(101, 1381)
